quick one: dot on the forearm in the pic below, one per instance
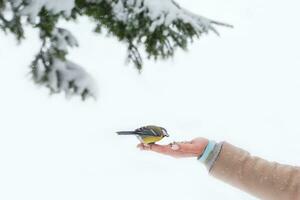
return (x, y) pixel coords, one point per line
(263, 179)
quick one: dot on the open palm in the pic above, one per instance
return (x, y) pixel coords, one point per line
(192, 148)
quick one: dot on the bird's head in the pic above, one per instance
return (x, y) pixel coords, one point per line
(165, 133)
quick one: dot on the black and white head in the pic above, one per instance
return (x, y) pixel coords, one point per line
(164, 132)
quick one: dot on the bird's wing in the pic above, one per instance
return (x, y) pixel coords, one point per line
(149, 130)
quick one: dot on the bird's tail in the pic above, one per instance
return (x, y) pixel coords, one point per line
(126, 133)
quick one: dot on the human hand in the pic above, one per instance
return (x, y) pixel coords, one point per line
(193, 148)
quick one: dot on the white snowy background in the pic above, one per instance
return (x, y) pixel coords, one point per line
(242, 87)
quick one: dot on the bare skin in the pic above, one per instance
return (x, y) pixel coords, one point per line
(187, 149)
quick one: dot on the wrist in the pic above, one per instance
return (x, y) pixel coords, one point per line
(207, 151)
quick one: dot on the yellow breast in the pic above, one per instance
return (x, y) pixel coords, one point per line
(152, 139)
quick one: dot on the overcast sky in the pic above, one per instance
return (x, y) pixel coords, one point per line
(242, 87)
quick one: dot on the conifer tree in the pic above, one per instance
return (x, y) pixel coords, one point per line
(157, 27)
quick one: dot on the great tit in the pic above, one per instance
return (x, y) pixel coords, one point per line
(147, 134)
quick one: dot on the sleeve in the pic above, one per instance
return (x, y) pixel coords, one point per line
(263, 179)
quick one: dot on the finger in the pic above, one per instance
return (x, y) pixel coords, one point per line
(143, 146)
(160, 148)
(187, 147)
(185, 142)
(184, 146)
(170, 150)
(163, 149)
(195, 149)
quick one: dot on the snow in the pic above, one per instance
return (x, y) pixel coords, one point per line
(62, 39)
(242, 88)
(55, 6)
(161, 12)
(166, 12)
(70, 72)
(62, 73)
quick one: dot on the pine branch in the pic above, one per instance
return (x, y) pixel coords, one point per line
(52, 69)
(154, 28)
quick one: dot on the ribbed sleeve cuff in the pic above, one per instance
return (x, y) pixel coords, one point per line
(211, 154)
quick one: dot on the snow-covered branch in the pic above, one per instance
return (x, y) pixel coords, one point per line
(155, 27)
(52, 69)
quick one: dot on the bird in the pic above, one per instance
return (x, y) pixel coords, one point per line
(147, 134)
